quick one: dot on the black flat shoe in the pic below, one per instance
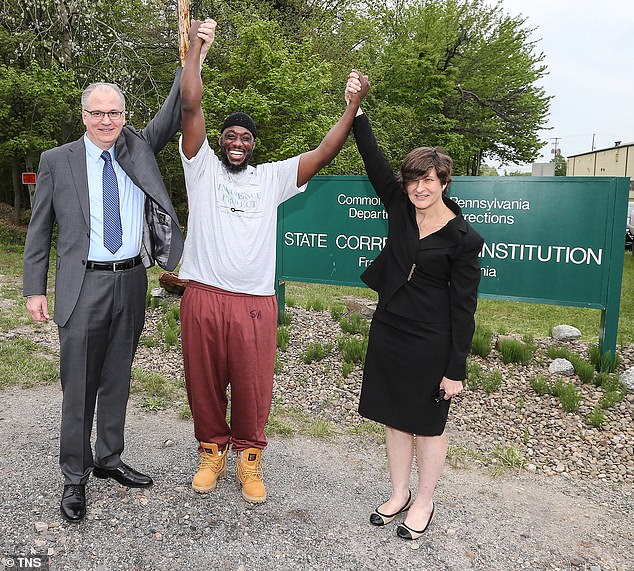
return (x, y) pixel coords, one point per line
(73, 504)
(379, 519)
(125, 475)
(404, 531)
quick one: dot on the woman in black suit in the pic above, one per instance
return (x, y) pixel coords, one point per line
(427, 277)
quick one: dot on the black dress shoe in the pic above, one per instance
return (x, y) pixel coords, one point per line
(125, 475)
(380, 519)
(404, 531)
(73, 506)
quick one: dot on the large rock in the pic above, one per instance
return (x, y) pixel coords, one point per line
(565, 333)
(627, 379)
(363, 306)
(561, 367)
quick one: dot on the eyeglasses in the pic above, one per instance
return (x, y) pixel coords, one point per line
(439, 395)
(99, 115)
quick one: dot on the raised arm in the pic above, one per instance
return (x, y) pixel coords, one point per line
(312, 161)
(201, 36)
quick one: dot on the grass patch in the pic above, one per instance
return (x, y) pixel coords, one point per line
(346, 369)
(279, 366)
(481, 343)
(283, 335)
(286, 421)
(286, 318)
(613, 397)
(157, 391)
(355, 324)
(596, 418)
(514, 351)
(302, 294)
(276, 425)
(316, 304)
(603, 363)
(503, 458)
(474, 375)
(25, 364)
(461, 457)
(369, 428)
(13, 312)
(492, 381)
(315, 352)
(568, 395)
(540, 385)
(184, 412)
(352, 349)
(337, 310)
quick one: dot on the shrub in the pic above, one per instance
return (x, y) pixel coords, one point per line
(568, 395)
(540, 385)
(315, 352)
(285, 318)
(354, 324)
(278, 367)
(492, 381)
(584, 370)
(603, 363)
(555, 352)
(171, 337)
(315, 304)
(175, 312)
(346, 369)
(601, 379)
(612, 397)
(481, 342)
(283, 335)
(474, 375)
(596, 418)
(513, 351)
(337, 310)
(352, 349)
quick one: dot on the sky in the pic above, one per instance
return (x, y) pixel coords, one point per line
(589, 52)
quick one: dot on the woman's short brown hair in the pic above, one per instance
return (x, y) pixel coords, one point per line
(419, 161)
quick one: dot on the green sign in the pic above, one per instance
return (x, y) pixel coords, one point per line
(552, 240)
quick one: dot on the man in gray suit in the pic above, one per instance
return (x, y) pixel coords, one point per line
(114, 219)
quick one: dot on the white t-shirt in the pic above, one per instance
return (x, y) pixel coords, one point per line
(232, 222)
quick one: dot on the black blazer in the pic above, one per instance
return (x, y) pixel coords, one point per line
(432, 280)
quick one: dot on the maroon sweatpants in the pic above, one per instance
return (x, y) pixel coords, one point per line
(228, 339)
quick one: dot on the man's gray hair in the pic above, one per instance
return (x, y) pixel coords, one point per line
(103, 87)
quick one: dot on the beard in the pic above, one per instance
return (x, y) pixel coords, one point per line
(233, 168)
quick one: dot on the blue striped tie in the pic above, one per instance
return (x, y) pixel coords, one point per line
(111, 216)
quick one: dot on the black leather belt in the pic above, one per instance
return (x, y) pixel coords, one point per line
(117, 266)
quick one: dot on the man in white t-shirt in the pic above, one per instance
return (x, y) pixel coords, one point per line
(229, 310)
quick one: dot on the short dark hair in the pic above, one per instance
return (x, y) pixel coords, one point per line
(419, 161)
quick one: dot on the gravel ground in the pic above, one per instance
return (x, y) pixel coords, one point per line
(569, 508)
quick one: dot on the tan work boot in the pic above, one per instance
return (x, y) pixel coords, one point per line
(249, 473)
(213, 465)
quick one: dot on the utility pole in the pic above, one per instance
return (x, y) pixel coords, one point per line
(593, 135)
(556, 140)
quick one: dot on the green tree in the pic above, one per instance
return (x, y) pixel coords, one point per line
(457, 73)
(33, 105)
(561, 165)
(486, 170)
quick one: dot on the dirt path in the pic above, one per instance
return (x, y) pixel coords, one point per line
(321, 493)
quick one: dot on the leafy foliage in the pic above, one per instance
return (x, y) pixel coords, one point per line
(456, 73)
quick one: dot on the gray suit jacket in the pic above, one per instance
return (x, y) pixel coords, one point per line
(62, 195)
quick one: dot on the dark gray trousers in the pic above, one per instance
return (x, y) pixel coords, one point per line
(97, 347)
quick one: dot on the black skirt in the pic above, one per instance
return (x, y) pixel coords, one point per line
(404, 365)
